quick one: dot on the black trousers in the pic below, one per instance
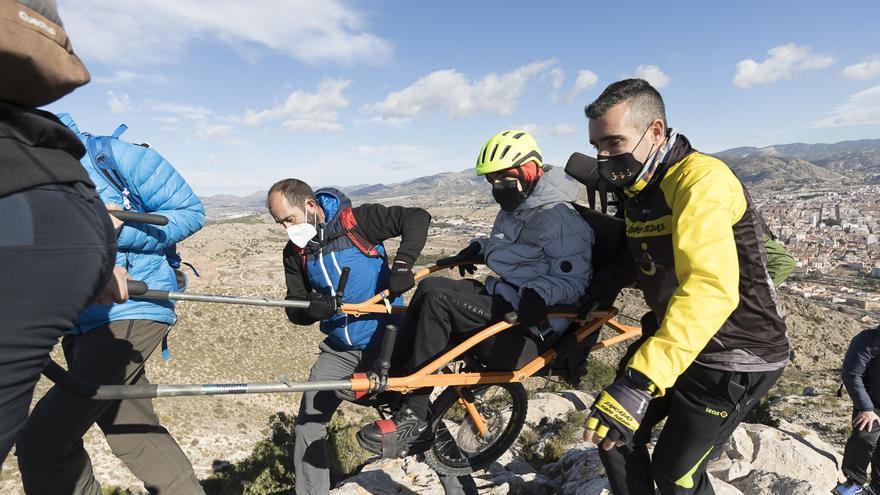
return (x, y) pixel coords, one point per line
(445, 311)
(702, 410)
(862, 448)
(57, 250)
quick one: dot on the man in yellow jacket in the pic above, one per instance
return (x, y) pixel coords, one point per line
(696, 250)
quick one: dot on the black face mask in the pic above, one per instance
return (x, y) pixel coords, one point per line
(507, 194)
(620, 171)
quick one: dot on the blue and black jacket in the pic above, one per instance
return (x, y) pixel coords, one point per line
(339, 245)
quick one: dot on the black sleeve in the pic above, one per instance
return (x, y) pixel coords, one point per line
(385, 222)
(608, 282)
(297, 286)
(855, 367)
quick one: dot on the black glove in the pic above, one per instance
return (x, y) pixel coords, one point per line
(321, 306)
(620, 408)
(532, 311)
(402, 278)
(470, 252)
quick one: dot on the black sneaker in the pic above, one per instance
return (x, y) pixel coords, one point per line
(395, 437)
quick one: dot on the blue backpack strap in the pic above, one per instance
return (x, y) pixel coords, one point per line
(100, 149)
(119, 130)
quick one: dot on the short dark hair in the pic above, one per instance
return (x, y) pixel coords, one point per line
(295, 191)
(645, 102)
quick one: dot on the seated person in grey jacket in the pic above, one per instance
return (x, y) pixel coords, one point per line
(540, 250)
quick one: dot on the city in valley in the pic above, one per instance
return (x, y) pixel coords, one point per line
(833, 232)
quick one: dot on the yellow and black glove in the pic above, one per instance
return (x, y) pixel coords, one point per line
(620, 408)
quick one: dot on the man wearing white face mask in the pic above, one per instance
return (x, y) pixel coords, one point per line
(327, 235)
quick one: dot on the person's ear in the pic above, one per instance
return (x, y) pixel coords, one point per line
(657, 131)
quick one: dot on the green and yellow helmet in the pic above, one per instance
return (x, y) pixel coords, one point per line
(507, 149)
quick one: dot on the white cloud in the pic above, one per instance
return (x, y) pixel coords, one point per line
(556, 78)
(653, 75)
(119, 102)
(127, 76)
(306, 125)
(395, 157)
(556, 130)
(586, 79)
(214, 132)
(783, 62)
(179, 110)
(860, 108)
(159, 31)
(368, 151)
(198, 121)
(304, 111)
(451, 92)
(863, 71)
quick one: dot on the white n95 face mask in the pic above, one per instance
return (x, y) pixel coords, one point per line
(301, 233)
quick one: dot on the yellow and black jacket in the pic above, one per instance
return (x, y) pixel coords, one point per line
(697, 244)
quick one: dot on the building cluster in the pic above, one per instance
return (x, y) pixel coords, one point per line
(829, 231)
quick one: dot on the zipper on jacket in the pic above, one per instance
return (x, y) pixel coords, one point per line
(330, 282)
(324, 268)
(339, 272)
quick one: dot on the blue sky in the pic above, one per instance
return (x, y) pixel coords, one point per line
(240, 94)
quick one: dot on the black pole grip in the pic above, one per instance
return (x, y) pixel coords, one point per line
(137, 288)
(387, 349)
(343, 281)
(135, 217)
(511, 317)
(65, 380)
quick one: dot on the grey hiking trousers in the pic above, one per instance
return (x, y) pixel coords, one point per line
(311, 459)
(50, 450)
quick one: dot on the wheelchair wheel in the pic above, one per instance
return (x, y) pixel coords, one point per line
(463, 444)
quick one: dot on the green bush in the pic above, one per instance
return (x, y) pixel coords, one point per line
(599, 375)
(563, 434)
(761, 414)
(267, 471)
(346, 455)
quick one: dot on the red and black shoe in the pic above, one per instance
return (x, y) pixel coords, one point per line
(399, 436)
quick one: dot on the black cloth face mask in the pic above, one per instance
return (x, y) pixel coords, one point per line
(507, 194)
(621, 170)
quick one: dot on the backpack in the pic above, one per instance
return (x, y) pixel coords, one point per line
(352, 230)
(100, 150)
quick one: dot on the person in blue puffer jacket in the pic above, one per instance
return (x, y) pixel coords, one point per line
(111, 343)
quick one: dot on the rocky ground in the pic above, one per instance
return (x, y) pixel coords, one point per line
(758, 460)
(223, 343)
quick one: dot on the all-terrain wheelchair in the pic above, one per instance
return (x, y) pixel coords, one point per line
(480, 409)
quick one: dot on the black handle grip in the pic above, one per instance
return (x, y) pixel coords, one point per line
(461, 259)
(343, 281)
(135, 217)
(511, 317)
(387, 349)
(137, 288)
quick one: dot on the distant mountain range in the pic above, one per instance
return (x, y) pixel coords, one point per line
(781, 163)
(800, 161)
